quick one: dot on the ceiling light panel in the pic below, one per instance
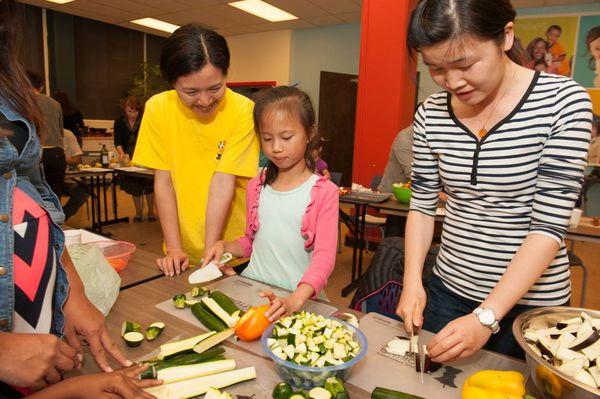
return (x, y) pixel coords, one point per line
(156, 24)
(263, 10)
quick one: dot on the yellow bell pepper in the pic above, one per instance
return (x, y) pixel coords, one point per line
(494, 384)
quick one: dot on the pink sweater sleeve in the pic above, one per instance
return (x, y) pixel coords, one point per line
(325, 241)
(251, 199)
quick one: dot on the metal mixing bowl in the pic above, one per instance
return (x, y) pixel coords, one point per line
(551, 382)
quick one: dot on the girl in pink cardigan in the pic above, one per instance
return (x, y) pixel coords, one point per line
(292, 213)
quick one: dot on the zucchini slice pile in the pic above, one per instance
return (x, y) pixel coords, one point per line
(312, 340)
(572, 346)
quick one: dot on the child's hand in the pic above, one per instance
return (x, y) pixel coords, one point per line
(214, 252)
(281, 306)
(175, 262)
(118, 384)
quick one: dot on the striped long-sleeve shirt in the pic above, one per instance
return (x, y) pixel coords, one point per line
(522, 178)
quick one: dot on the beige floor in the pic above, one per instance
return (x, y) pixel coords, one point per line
(148, 236)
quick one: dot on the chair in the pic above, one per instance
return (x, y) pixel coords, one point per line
(380, 287)
(336, 178)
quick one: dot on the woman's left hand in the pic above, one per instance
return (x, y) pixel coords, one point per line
(460, 338)
(84, 319)
(280, 306)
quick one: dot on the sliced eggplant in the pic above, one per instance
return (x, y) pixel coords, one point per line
(585, 377)
(565, 323)
(580, 344)
(592, 352)
(544, 345)
(398, 346)
(572, 367)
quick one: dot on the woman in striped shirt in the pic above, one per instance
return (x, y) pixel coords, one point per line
(508, 145)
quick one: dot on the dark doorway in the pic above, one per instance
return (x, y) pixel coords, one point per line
(337, 111)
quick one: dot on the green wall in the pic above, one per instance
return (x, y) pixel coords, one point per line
(332, 49)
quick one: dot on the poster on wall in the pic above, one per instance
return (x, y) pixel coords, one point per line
(567, 45)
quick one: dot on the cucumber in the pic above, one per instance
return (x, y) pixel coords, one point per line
(225, 302)
(207, 319)
(384, 393)
(130, 326)
(215, 353)
(133, 338)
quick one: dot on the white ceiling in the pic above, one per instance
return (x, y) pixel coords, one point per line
(229, 20)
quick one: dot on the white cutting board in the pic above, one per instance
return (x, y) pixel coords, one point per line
(244, 292)
(381, 369)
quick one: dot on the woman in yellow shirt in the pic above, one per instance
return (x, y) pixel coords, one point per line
(199, 138)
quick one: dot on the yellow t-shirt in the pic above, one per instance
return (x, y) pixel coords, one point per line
(174, 138)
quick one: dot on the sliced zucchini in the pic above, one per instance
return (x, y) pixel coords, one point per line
(130, 326)
(184, 346)
(198, 291)
(133, 338)
(179, 301)
(213, 340)
(221, 313)
(187, 372)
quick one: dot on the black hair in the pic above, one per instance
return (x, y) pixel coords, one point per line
(14, 85)
(553, 27)
(189, 49)
(292, 101)
(36, 80)
(435, 21)
(592, 35)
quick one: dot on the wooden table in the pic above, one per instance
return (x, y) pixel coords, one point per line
(585, 232)
(141, 269)
(138, 304)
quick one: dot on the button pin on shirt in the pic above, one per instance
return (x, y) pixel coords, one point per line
(221, 149)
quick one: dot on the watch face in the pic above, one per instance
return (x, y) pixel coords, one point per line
(487, 317)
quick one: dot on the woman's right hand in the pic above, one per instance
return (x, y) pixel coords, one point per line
(411, 306)
(118, 384)
(34, 360)
(175, 262)
(215, 252)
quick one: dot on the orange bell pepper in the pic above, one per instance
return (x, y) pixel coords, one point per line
(252, 324)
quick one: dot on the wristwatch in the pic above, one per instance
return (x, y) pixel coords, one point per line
(487, 318)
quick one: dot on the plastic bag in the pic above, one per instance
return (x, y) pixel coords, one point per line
(100, 280)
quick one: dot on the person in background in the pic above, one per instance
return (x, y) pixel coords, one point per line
(560, 63)
(536, 53)
(44, 315)
(199, 139)
(76, 193)
(294, 246)
(126, 129)
(72, 119)
(592, 42)
(321, 167)
(399, 164)
(594, 152)
(53, 153)
(508, 145)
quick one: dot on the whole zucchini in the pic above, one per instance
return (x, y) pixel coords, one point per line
(207, 318)
(384, 393)
(225, 302)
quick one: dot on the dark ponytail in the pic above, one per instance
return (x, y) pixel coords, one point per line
(295, 103)
(436, 21)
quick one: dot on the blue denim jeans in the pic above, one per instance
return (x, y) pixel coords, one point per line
(443, 306)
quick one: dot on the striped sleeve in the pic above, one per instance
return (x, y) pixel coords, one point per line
(560, 173)
(425, 181)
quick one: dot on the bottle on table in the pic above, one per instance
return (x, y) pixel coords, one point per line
(104, 156)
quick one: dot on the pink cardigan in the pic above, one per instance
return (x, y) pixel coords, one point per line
(319, 228)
